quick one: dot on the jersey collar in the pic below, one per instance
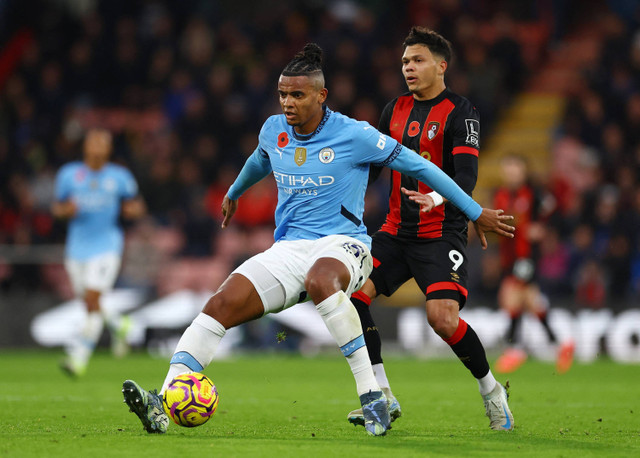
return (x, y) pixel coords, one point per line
(325, 118)
(431, 102)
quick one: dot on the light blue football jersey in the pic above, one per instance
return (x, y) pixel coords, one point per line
(94, 230)
(322, 177)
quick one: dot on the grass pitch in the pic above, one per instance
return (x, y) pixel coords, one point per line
(282, 405)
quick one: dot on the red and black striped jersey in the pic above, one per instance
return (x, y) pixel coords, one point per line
(524, 204)
(445, 131)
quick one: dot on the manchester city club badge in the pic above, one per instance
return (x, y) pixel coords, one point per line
(326, 155)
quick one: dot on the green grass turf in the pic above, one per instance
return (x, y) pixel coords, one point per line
(282, 405)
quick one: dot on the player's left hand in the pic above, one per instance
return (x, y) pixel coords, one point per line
(133, 208)
(424, 200)
(229, 207)
(491, 220)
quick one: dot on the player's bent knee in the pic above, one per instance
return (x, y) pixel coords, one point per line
(92, 300)
(444, 326)
(369, 289)
(320, 287)
(236, 302)
(326, 277)
(443, 317)
(215, 308)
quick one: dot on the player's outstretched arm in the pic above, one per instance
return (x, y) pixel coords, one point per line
(255, 169)
(133, 208)
(491, 220)
(409, 163)
(64, 210)
(229, 207)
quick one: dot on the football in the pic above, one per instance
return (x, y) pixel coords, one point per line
(191, 399)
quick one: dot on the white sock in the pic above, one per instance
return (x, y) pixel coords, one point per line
(196, 347)
(82, 347)
(341, 318)
(487, 383)
(112, 320)
(381, 376)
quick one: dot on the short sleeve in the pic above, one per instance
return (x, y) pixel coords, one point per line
(370, 146)
(63, 184)
(270, 136)
(466, 130)
(129, 185)
(385, 119)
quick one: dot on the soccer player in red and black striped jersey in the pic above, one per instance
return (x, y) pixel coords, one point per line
(519, 291)
(422, 237)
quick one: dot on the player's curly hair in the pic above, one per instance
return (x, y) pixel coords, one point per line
(436, 43)
(306, 62)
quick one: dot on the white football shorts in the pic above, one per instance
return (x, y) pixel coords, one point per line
(98, 273)
(278, 273)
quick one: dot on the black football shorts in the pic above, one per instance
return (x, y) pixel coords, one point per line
(439, 266)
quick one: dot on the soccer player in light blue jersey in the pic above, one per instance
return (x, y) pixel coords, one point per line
(320, 160)
(92, 194)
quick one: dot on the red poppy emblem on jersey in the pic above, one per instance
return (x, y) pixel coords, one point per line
(414, 129)
(283, 139)
(80, 174)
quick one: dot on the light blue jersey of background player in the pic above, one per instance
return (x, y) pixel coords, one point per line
(98, 195)
(322, 177)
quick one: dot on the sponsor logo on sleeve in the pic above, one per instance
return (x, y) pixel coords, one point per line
(473, 132)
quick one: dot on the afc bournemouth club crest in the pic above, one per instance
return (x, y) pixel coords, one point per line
(432, 129)
(300, 156)
(326, 155)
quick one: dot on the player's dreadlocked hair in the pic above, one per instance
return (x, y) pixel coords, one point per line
(436, 43)
(307, 62)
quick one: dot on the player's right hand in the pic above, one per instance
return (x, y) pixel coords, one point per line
(64, 210)
(229, 207)
(424, 200)
(493, 221)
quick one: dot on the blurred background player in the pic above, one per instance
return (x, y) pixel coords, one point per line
(519, 291)
(429, 243)
(93, 194)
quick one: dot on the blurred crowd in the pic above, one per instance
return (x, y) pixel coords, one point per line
(592, 251)
(185, 87)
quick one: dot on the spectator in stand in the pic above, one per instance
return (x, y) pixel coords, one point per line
(126, 65)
